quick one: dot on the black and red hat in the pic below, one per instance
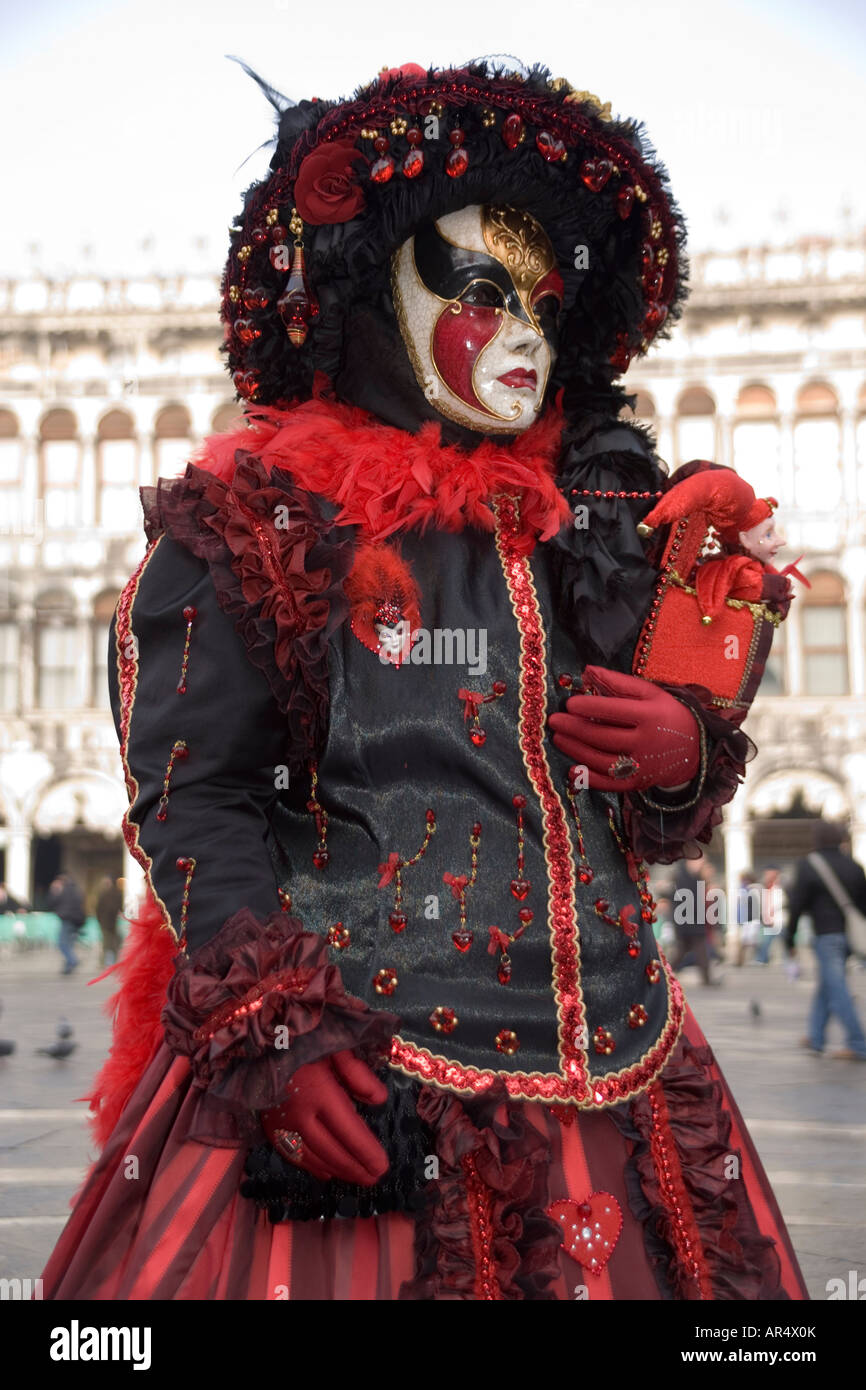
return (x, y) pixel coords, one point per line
(351, 180)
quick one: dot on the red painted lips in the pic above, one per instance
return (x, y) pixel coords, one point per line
(518, 377)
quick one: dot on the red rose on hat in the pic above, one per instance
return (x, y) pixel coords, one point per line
(326, 189)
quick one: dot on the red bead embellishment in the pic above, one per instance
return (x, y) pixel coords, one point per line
(637, 1016)
(385, 981)
(339, 936)
(481, 1229)
(285, 898)
(456, 163)
(603, 1042)
(585, 871)
(594, 173)
(625, 202)
(393, 868)
(478, 736)
(472, 702)
(654, 972)
(297, 305)
(462, 940)
(189, 616)
(590, 1229)
(257, 297)
(520, 888)
(178, 752)
(185, 865)
(684, 1227)
(549, 147)
(321, 855)
(513, 130)
(413, 164)
(459, 884)
(247, 330)
(443, 1020)
(507, 1042)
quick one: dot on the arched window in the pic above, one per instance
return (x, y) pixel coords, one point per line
(756, 442)
(825, 635)
(817, 453)
(103, 611)
(10, 473)
(173, 444)
(60, 469)
(695, 426)
(119, 510)
(226, 418)
(58, 652)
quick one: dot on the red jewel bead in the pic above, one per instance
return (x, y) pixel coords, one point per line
(565, 681)
(321, 857)
(499, 687)
(585, 1210)
(503, 974)
(413, 164)
(382, 170)
(595, 173)
(462, 940)
(518, 802)
(634, 949)
(457, 162)
(526, 915)
(507, 1042)
(646, 916)
(189, 612)
(413, 136)
(624, 202)
(654, 317)
(647, 256)
(652, 284)
(181, 689)
(397, 921)
(279, 234)
(550, 148)
(338, 936)
(431, 817)
(444, 1020)
(385, 981)
(380, 144)
(456, 137)
(512, 130)
(653, 972)
(476, 829)
(256, 298)
(184, 865)
(258, 236)
(478, 736)
(520, 888)
(585, 875)
(247, 330)
(601, 904)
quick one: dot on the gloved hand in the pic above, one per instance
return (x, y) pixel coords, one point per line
(318, 1128)
(630, 735)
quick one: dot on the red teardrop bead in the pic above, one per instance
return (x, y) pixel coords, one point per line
(321, 858)
(382, 169)
(397, 921)
(625, 202)
(457, 162)
(413, 164)
(634, 949)
(504, 972)
(520, 888)
(585, 875)
(512, 130)
(478, 736)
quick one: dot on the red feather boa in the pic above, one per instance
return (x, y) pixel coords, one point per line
(145, 967)
(386, 480)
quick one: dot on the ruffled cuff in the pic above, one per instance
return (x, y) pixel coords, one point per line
(256, 1003)
(661, 833)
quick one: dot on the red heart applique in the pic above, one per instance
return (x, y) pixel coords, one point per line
(590, 1229)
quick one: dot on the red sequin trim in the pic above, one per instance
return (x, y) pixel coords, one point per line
(481, 1231)
(250, 1003)
(126, 646)
(689, 1250)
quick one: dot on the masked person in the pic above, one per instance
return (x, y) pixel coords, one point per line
(394, 1022)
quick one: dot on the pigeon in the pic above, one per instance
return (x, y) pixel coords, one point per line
(7, 1047)
(64, 1047)
(755, 1009)
(58, 1050)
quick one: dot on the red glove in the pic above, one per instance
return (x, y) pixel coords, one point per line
(630, 735)
(318, 1127)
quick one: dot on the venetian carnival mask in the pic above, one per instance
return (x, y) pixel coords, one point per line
(477, 294)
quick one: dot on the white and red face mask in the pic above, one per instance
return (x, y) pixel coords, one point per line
(477, 296)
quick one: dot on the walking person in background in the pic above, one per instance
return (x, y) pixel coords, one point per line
(827, 881)
(774, 913)
(748, 915)
(690, 916)
(109, 905)
(66, 899)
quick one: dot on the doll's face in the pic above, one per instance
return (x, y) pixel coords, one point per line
(763, 541)
(477, 296)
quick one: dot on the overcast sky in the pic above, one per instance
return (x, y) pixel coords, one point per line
(125, 129)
